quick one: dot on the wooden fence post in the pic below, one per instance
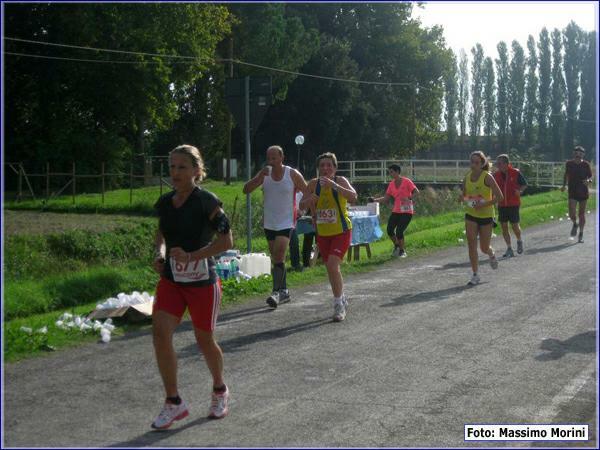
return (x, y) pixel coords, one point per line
(131, 184)
(103, 187)
(161, 176)
(74, 183)
(20, 193)
(47, 181)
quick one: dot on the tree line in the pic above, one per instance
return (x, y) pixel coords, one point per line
(124, 105)
(118, 82)
(538, 103)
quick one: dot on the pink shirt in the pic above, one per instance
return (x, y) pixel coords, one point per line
(404, 191)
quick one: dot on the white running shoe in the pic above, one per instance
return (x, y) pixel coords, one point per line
(219, 406)
(339, 310)
(396, 252)
(474, 280)
(284, 296)
(273, 299)
(169, 414)
(494, 262)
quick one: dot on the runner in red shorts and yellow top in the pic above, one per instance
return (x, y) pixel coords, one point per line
(189, 220)
(328, 201)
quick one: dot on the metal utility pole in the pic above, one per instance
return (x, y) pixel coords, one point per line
(413, 119)
(248, 164)
(229, 121)
(248, 99)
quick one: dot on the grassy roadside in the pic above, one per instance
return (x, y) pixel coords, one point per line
(117, 201)
(425, 235)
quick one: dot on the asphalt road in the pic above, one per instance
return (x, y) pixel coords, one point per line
(419, 356)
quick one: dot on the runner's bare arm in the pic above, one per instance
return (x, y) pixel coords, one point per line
(383, 199)
(222, 242)
(309, 199)
(497, 195)
(299, 182)
(565, 178)
(461, 197)
(344, 188)
(159, 252)
(256, 181)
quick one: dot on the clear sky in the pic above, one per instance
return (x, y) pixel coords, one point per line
(488, 23)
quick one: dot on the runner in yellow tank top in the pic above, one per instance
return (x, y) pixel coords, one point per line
(480, 194)
(328, 202)
(331, 213)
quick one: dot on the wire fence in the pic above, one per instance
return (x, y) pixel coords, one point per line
(48, 184)
(538, 173)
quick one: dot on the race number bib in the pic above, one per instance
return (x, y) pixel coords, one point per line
(189, 272)
(406, 206)
(471, 201)
(326, 215)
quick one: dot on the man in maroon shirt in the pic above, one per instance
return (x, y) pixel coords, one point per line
(578, 175)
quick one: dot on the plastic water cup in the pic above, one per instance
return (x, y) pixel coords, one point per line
(105, 335)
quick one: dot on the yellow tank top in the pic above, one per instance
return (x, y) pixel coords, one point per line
(332, 212)
(477, 191)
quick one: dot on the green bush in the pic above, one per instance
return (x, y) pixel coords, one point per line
(33, 256)
(29, 297)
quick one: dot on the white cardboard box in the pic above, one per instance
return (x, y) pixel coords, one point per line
(133, 313)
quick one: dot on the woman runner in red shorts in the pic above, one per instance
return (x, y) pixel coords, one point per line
(189, 219)
(328, 201)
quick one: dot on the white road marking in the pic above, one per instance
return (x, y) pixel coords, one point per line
(567, 393)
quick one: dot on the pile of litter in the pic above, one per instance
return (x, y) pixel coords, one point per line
(122, 300)
(28, 330)
(69, 322)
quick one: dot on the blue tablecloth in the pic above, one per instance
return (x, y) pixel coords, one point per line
(364, 229)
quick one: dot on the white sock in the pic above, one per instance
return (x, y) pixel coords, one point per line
(338, 299)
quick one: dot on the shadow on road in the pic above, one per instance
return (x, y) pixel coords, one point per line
(244, 313)
(528, 251)
(552, 248)
(186, 325)
(556, 349)
(461, 265)
(241, 343)
(154, 436)
(442, 294)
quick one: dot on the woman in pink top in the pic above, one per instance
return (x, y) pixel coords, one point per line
(401, 190)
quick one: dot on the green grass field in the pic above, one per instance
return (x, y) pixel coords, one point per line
(36, 299)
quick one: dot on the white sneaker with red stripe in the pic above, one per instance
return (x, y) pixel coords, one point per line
(169, 414)
(219, 406)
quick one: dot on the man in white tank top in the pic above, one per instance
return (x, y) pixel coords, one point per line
(280, 184)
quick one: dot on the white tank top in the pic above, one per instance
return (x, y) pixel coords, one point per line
(280, 202)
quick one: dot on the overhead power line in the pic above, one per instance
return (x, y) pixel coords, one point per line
(193, 59)
(105, 61)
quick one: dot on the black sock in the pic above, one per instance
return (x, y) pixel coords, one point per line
(174, 400)
(220, 389)
(278, 276)
(284, 282)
